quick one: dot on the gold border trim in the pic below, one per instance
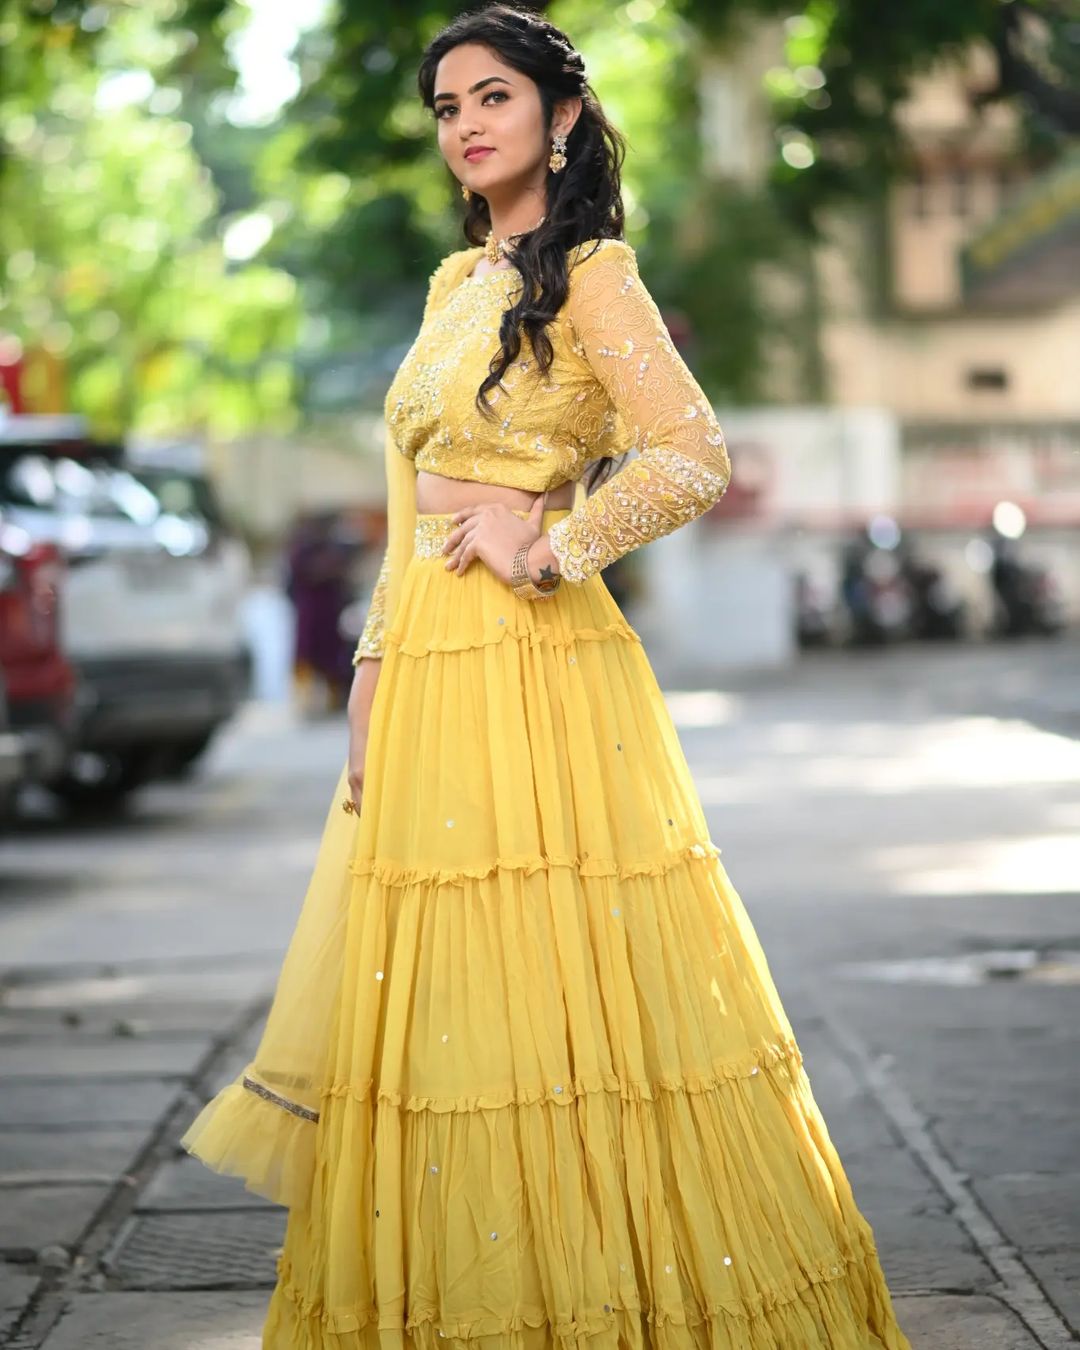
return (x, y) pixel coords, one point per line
(294, 1108)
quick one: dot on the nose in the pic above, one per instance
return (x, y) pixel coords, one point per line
(469, 129)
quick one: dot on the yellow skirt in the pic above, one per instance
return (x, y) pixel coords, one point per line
(527, 1081)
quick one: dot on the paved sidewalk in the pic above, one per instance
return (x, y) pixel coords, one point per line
(904, 833)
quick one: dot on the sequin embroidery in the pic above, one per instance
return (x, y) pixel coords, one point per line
(371, 638)
(617, 384)
(294, 1108)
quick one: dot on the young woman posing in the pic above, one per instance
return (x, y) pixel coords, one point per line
(526, 1080)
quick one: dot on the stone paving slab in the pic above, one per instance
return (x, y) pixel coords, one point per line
(16, 1286)
(991, 1123)
(235, 985)
(116, 1057)
(78, 1106)
(52, 1156)
(1036, 1210)
(227, 1249)
(230, 1068)
(1056, 1271)
(960, 1322)
(166, 1321)
(922, 1245)
(32, 1217)
(921, 1249)
(186, 1183)
(138, 1018)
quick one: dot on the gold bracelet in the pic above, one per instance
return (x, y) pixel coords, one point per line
(523, 584)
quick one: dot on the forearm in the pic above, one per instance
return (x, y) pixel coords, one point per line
(659, 491)
(540, 563)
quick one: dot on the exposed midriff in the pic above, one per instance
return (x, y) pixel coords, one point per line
(437, 495)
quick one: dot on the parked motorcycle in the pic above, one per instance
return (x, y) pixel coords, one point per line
(813, 612)
(938, 611)
(1027, 596)
(876, 594)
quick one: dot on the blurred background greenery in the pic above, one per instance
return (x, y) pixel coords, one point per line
(219, 216)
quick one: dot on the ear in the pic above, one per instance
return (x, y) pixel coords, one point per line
(568, 112)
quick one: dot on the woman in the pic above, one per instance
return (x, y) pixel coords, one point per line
(318, 563)
(526, 1079)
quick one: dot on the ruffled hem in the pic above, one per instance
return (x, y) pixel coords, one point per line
(840, 1296)
(710, 1222)
(532, 915)
(783, 1050)
(536, 635)
(242, 1135)
(390, 873)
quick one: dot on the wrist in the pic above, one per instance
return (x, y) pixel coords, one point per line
(540, 563)
(521, 574)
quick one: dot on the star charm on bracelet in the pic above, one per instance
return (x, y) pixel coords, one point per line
(523, 584)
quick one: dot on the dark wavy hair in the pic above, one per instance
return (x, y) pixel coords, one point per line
(584, 200)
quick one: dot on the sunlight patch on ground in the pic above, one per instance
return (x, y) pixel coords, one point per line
(702, 707)
(1032, 865)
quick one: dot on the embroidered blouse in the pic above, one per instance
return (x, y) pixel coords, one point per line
(616, 383)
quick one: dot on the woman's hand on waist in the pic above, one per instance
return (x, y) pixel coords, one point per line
(491, 533)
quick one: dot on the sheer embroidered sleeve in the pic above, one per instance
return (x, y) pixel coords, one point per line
(401, 503)
(682, 466)
(371, 638)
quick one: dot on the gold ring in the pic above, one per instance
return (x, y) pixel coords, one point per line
(348, 805)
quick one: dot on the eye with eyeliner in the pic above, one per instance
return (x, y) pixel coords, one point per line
(490, 94)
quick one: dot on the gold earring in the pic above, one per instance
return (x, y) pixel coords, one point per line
(557, 160)
(466, 193)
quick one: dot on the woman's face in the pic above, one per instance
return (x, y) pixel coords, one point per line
(491, 105)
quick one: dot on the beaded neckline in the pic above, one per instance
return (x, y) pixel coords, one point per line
(495, 272)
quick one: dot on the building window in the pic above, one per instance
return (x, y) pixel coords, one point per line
(987, 377)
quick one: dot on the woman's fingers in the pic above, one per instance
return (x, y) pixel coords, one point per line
(457, 535)
(457, 556)
(461, 544)
(453, 539)
(467, 554)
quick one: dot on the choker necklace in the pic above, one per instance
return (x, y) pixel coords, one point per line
(494, 249)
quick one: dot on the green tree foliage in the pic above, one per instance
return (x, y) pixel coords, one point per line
(113, 259)
(848, 64)
(167, 254)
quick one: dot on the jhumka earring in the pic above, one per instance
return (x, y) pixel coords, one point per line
(466, 193)
(557, 160)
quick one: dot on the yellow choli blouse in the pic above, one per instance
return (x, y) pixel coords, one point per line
(616, 383)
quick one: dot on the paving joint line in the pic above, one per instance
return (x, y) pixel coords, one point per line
(1019, 1289)
(30, 976)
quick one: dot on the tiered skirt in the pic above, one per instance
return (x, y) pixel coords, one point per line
(538, 1088)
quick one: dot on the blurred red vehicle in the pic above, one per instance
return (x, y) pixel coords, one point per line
(38, 679)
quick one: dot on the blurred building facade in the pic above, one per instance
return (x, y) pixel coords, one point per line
(950, 338)
(957, 307)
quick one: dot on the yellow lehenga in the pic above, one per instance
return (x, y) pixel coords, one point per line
(526, 1080)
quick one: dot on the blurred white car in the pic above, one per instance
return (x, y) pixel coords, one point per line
(152, 619)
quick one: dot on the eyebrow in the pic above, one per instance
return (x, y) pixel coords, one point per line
(473, 87)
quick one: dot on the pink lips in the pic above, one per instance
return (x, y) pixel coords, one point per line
(479, 153)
